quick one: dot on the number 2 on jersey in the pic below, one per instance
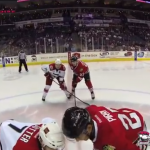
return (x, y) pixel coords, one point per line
(16, 128)
(135, 125)
(127, 122)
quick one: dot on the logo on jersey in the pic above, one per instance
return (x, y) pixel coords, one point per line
(81, 69)
(108, 147)
(144, 138)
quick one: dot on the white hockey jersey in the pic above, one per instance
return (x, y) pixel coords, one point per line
(54, 72)
(16, 135)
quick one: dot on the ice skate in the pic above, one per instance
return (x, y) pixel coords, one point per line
(92, 95)
(43, 99)
(67, 95)
(71, 94)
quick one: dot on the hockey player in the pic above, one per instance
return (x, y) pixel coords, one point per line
(80, 71)
(54, 70)
(16, 135)
(108, 129)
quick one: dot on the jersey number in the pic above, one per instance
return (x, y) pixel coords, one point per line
(16, 128)
(81, 75)
(134, 116)
(127, 122)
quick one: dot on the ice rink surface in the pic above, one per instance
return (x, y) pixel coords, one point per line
(116, 84)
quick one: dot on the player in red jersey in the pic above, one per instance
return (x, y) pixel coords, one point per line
(107, 128)
(16, 135)
(80, 71)
(52, 71)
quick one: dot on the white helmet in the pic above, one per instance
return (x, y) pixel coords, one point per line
(58, 62)
(52, 135)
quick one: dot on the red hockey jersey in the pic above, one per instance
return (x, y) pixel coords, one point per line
(81, 68)
(116, 127)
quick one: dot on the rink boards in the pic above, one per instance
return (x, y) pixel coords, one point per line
(85, 56)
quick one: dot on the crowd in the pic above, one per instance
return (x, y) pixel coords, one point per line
(80, 30)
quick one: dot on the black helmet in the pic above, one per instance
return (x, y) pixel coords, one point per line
(75, 121)
(74, 58)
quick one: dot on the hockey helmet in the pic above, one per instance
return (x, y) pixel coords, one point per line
(75, 121)
(52, 135)
(73, 58)
(58, 62)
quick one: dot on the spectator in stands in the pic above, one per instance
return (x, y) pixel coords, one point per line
(75, 29)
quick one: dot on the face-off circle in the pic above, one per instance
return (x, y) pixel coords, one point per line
(35, 113)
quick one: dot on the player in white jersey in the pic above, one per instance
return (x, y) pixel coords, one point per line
(16, 135)
(53, 71)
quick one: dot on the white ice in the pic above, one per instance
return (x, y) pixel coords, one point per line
(116, 84)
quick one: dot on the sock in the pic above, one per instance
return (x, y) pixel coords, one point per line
(45, 92)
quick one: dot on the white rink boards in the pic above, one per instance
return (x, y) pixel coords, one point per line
(116, 84)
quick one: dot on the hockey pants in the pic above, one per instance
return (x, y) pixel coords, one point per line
(23, 61)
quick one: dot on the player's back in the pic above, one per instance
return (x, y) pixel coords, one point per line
(120, 121)
(16, 135)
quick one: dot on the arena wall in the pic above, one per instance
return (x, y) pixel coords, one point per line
(85, 56)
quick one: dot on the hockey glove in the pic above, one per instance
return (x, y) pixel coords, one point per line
(141, 147)
(47, 74)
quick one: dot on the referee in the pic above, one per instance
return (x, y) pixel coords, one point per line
(22, 60)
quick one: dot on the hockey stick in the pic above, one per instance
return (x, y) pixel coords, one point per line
(75, 103)
(73, 95)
